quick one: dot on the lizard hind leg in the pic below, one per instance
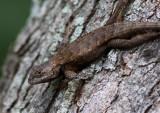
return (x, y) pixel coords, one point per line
(133, 42)
(119, 11)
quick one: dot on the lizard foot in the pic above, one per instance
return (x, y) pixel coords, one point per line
(70, 74)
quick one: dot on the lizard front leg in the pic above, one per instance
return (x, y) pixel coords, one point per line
(74, 71)
(70, 71)
(133, 42)
(72, 74)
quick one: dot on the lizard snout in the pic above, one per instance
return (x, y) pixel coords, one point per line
(43, 73)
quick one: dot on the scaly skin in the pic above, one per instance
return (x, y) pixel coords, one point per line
(50, 70)
(73, 57)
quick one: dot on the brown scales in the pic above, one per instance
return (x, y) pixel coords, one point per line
(73, 57)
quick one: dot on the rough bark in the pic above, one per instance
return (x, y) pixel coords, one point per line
(120, 81)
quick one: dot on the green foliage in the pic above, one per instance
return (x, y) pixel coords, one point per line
(12, 19)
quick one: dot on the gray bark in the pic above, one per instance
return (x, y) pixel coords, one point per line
(119, 82)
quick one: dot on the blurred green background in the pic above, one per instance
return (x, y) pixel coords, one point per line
(13, 15)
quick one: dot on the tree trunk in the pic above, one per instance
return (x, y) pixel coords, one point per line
(119, 82)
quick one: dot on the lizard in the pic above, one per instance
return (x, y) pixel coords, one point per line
(73, 57)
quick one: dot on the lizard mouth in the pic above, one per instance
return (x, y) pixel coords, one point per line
(42, 73)
(37, 80)
(37, 77)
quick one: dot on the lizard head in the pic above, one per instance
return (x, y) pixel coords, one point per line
(43, 73)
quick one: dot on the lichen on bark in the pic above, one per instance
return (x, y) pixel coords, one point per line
(119, 82)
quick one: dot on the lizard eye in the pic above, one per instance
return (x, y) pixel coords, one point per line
(36, 71)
